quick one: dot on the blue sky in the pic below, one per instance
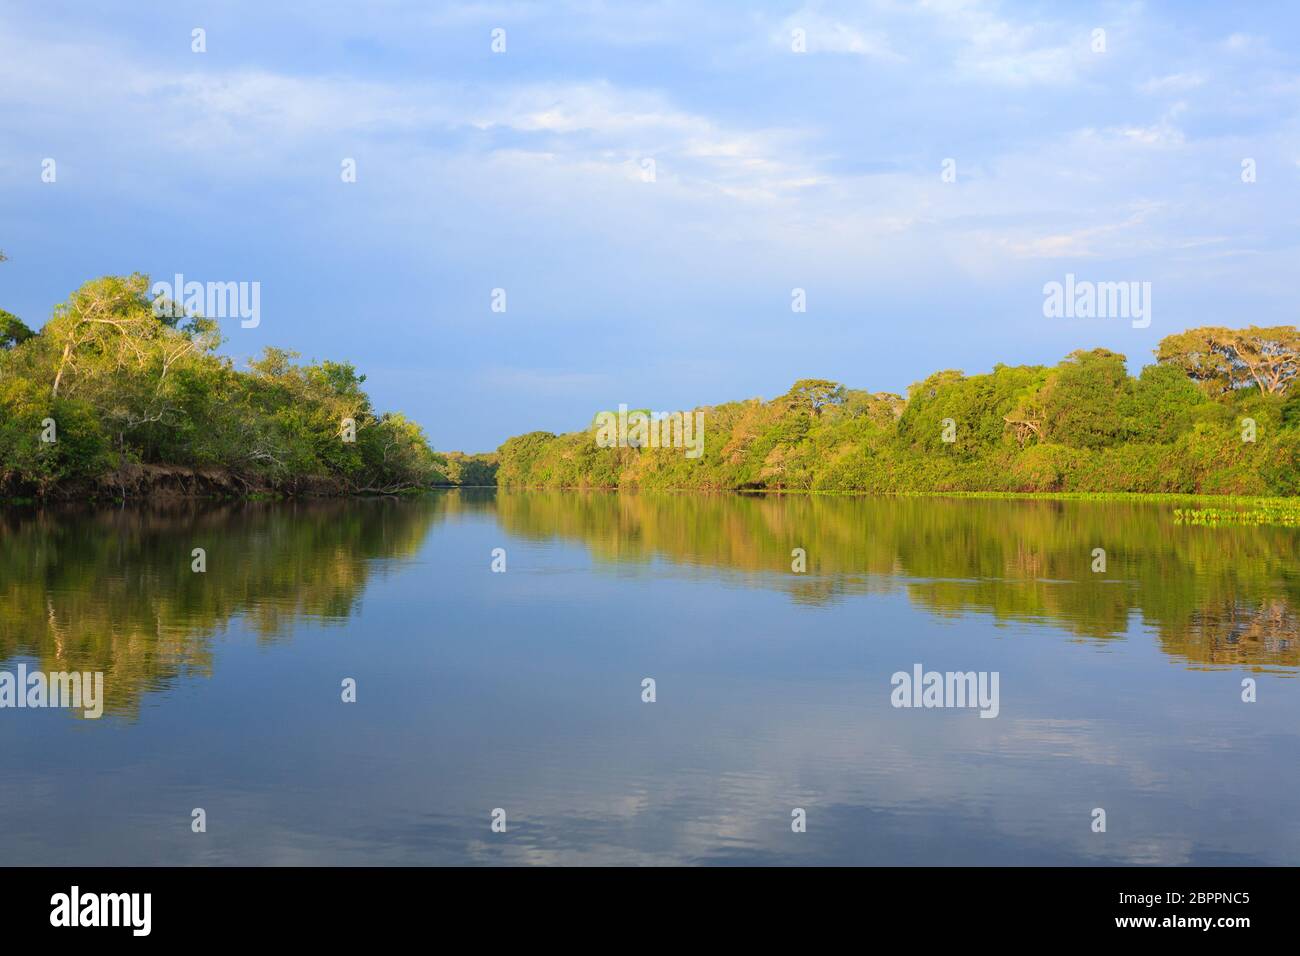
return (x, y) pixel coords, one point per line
(774, 170)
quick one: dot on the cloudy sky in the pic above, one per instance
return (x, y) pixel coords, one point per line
(773, 170)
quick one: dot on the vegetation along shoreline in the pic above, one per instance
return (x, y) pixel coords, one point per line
(115, 399)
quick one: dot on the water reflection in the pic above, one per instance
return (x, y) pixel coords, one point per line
(1216, 596)
(112, 589)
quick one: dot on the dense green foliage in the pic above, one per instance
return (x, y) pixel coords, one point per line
(470, 471)
(108, 390)
(1183, 425)
(108, 387)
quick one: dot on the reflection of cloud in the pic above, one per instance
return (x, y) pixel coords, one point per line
(879, 786)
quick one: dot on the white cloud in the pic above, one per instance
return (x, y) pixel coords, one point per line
(568, 152)
(1241, 43)
(995, 49)
(1173, 83)
(823, 34)
(1112, 239)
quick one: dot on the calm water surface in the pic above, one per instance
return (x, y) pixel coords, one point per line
(522, 690)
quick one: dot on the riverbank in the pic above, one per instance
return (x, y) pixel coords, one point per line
(168, 482)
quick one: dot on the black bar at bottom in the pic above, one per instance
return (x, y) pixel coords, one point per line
(335, 905)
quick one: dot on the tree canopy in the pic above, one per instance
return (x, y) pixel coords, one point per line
(107, 384)
(1225, 359)
(1214, 414)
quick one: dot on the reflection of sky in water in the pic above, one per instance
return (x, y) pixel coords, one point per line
(522, 691)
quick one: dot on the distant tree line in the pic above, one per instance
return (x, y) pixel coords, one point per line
(1216, 413)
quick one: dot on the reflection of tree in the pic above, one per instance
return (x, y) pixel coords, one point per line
(113, 590)
(1014, 560)
(1258, 634)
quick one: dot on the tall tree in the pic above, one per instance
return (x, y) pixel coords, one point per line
(1227, 359)
(108, 326)
(814, 394)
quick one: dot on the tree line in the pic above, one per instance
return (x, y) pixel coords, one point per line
(115, 397)
(1215, 413)
(110, 397)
